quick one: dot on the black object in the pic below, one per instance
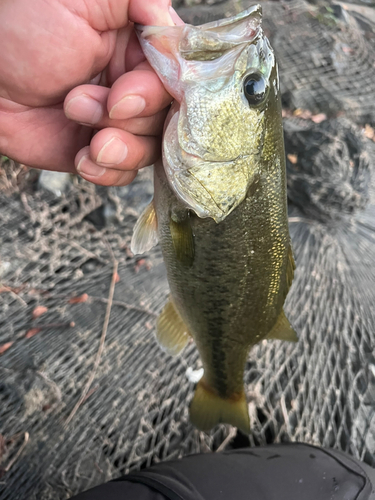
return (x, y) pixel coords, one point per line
(277, 472)
(255, 89)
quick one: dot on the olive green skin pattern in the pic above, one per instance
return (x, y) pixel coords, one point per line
(233, 291)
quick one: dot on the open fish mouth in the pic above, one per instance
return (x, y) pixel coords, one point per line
(212, 38)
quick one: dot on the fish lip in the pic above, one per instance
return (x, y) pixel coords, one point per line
(141, 28)
(254, 11)
(257, 8)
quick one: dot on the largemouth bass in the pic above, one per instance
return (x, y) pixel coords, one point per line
(220, 208)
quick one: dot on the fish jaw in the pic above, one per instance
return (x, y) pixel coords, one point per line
(169, 48)
(213, 138)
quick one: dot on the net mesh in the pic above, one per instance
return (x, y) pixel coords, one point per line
(320, 390)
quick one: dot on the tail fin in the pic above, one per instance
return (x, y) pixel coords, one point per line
(207, 409)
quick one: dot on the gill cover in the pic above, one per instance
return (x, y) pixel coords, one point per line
(214, 135)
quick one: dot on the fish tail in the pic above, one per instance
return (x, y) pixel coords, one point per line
(207, 409)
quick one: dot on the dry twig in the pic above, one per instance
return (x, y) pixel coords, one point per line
(83, 250)
(101, 344)
(18, 454)
(231, 435)
(124, 304)
(27, 207)
(52, 384)
(14, 294)
(284, 412)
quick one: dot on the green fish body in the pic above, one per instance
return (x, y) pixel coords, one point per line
(220, 208)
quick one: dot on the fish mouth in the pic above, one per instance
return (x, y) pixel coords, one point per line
(232, 30)
(187, 48)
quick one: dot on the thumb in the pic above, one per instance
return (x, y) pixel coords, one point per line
(106, 15)
(153, 13)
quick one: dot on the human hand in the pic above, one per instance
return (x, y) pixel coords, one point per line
(50, 47)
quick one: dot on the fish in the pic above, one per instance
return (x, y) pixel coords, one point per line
(220, 204)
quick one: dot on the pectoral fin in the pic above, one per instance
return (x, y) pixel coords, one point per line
(145, 234)
(183, 240)
(283, 330)
(207, 409)
(171, 332)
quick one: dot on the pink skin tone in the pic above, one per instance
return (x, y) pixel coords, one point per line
(54, 54)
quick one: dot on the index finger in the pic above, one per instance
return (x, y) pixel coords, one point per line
(137, 93)
(156, 12)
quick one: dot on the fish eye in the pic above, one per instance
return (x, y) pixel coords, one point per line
(255, 89)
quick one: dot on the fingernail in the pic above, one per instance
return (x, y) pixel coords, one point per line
(84, 109)
(129, 106)
(113, 152)
(86, 167)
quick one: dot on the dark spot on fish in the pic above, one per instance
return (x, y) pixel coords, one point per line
(273, 456)
(312, 455)
(254, 185)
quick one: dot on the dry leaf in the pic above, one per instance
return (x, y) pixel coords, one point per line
(16, 290)
(292, 158)
(142, 263)
(38, 311)
(117, 278)
(369, 132)
(79, 300)
(5, 347)
(347, 50)
(286, 112)
(319, 118)
(32, 332)
(302, 113)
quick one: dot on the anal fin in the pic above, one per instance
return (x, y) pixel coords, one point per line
(145, 234)
(207, 409)
(171, 332)
(283, 330)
